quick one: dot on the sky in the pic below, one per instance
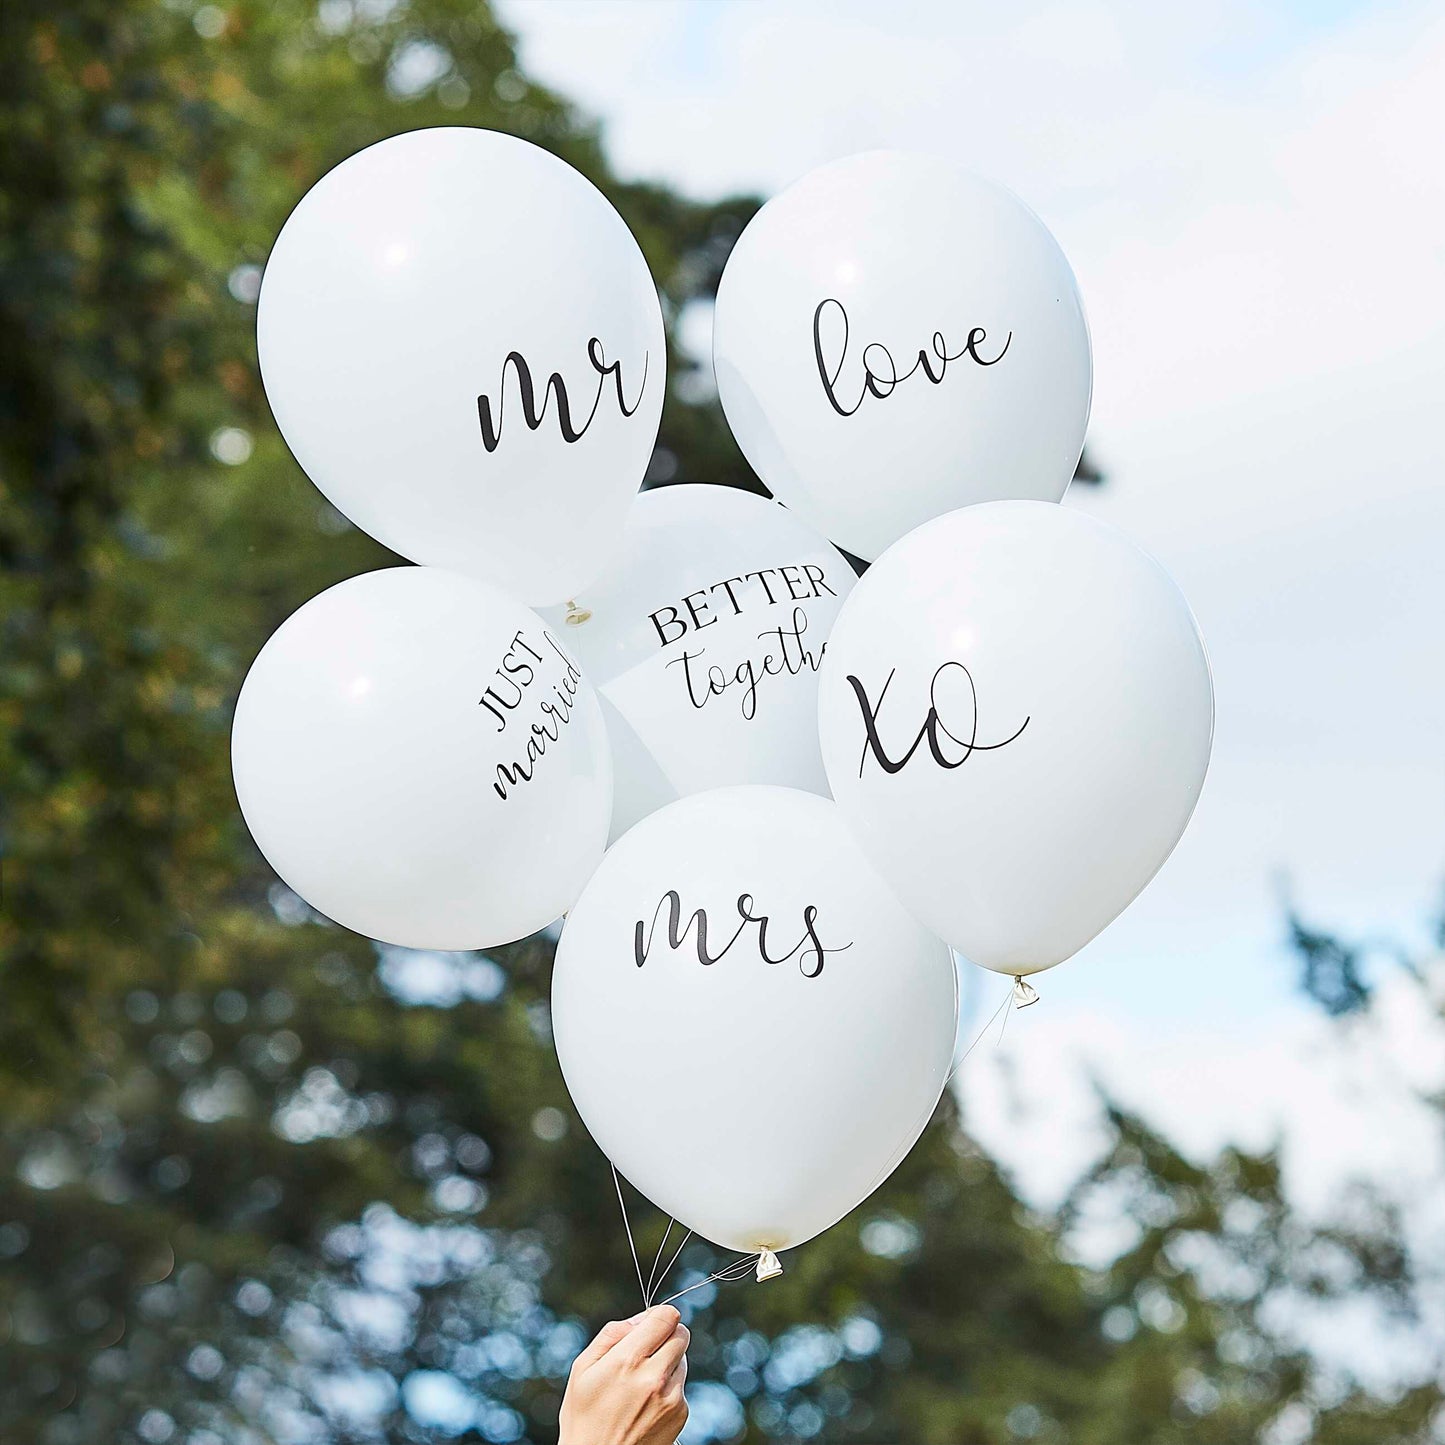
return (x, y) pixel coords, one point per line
(1252, 199)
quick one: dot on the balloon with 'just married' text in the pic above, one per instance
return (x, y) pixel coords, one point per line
(421, 760)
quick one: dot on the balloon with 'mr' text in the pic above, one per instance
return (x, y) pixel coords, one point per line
(743, 932)
(896, 338)
(1016, 715)
(463, 347)
(419, 758)
(704, 644)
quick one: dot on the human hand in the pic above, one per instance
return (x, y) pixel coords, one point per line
(625, 1388)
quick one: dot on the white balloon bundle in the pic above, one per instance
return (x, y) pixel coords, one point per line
(1012, 709)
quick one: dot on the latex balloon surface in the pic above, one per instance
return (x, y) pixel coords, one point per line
(463, 347)
(895, 338)
(1016, 715)
(704, 643)
(750, 1024)
(419, 759)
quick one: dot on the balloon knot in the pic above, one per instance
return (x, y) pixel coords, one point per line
(1024, 993)
(576, 615)
(769, 1266)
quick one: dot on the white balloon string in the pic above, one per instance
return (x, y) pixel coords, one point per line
(1004, 1024)
(657, 1259)
(627, 1225)
(1019, 994)
(676, 1255)
(979, 1036)
(1022, 996)
(654, 1281)
(738, 1269)
(953, 1068)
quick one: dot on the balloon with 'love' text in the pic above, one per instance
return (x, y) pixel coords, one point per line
(743, 932)
(463, 347)
(1016, 715)
(895, 338)
(704, 643)
(419, 758)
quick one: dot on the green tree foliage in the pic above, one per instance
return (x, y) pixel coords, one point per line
(260, 1181)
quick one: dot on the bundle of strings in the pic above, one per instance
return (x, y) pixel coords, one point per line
(738, 1269)
(1020, 995)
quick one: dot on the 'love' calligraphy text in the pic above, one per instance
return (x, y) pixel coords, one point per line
(880, 372)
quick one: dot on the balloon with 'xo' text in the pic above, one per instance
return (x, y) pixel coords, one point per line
(742, 932)
(704, 643)
(895, 338)
(463, 347)
(420, 760)
(1016, 715)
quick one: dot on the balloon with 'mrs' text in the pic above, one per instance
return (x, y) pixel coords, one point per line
(1016, 715)
(463, 347)
(419, 758)
(742, 932)
(895, 338)
(704, 643)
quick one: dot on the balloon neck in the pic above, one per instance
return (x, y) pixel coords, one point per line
(1024, 993)
(576, 615)
(769, 1266)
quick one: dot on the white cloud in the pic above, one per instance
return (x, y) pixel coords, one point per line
(1345, 1098)
(1344, 1101)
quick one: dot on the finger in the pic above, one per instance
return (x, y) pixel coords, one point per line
(676, 1379)
(603, 1341)
(673, 1349)
(677, 1415)
(652, 1330)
